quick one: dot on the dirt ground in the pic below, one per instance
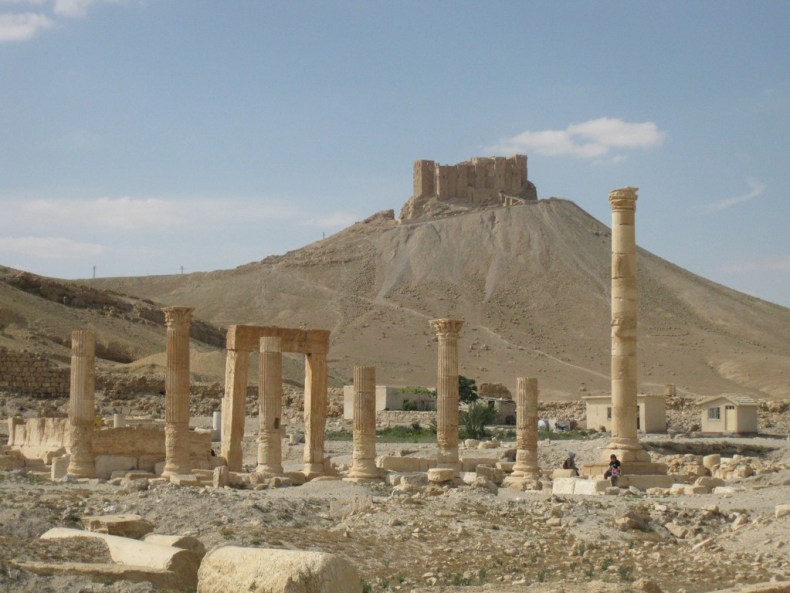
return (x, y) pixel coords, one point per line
(430, 538)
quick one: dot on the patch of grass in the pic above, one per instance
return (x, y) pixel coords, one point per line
(606, 564)
(459, 580)
(626, 573)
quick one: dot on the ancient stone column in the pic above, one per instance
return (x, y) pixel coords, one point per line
(178, 320)
(364, 464)
(234, 407)
(447, 331)
(315, 409)
(270, 401)
(625, 443)
(526, 465)
(81, 403)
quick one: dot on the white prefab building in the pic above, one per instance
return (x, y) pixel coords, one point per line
(389, 397)
(651, 412)
(729, 413)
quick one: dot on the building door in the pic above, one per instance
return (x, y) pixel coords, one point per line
(730, 419)
(639, 417)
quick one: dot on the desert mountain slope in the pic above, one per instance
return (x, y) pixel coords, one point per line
(532, 283)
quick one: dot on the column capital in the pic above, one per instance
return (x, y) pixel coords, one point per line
(623, 198)
(447, 327)
(177, 315)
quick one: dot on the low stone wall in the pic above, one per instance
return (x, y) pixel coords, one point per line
(26, 373)
(138, 447)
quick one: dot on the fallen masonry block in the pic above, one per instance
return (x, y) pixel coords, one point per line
(260, 570)
(165, 567)
(440, 474)
(131, 526)
(183, 542)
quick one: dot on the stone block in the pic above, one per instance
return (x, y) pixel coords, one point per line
(261, 570)
(563, 473)
(711, 461)
(505, 466)
(590, 487)
(13, 460)
(438, 475)
(490, 473)
(131, 526)
(220, 479)
(562, 486)
(60, 466)
(106, 464)
(182, 542)
(184, 480)
(782, 510)
(709, 482)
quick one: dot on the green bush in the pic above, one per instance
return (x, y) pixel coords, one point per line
(475, 419)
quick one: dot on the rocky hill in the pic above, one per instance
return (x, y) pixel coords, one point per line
(531, 281)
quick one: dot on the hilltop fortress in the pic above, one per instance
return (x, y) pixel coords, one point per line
(476, 183)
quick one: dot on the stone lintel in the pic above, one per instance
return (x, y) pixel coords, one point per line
(247, 338)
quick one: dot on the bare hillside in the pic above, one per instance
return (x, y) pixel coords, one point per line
(532, 283)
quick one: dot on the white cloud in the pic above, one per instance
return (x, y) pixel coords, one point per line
(764, 265)
(756, 190)
(49, 247)
(336, 220)
(22, 27)
(76, 9)
(587, 140)
(128, 214)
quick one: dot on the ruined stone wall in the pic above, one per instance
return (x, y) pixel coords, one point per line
(26, 373)
(472, 180)
(400, 418)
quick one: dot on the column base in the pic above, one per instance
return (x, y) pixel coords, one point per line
(638, 468)
(522, 483)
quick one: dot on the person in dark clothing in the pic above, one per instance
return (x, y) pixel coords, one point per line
(614, 469)
(570, 462)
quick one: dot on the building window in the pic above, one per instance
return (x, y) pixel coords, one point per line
(714, 413)
(608, 413)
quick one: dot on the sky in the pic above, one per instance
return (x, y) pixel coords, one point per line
(144, 137)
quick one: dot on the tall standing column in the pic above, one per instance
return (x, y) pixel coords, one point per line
(234, 407)
(315, 409)
(270, 401)
(625, 443)
(447, 331)
(178, 320)
(81, 403)
(526, 465)
(364, 460)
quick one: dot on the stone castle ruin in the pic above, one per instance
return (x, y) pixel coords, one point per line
(477, 183)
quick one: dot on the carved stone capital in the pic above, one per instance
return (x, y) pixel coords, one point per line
(447, 327)
(175, 316)
(623, 198)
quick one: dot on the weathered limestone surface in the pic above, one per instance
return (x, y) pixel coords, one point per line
(236, 368)
(316, 402)
(447, 331)
(260, 570)
(132, 526)
(364, 457)
(81, 403)
(526, 469)
(178, 320)
(477, 183)
(270, 398)
(164, 566)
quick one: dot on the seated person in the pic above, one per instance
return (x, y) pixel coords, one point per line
(614, 469)
(570, 463)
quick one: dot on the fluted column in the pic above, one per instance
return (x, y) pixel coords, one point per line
(234, 403)
(364, 460)
(526, 465)
(315, 409)
(270, 401)
(178, 320)
(624, 443)
(447, 331)
(81, 403)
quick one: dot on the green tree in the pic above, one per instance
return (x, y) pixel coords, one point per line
(475, 418)
(467, 390)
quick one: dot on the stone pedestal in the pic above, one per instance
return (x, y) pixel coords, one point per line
(270, 398)
(178, 320)
(447, 331)
(526, 471)
(364, 464)
(625, 442)
(81, 403)
(315, 409)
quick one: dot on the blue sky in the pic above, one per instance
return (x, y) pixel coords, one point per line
(140, 136)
